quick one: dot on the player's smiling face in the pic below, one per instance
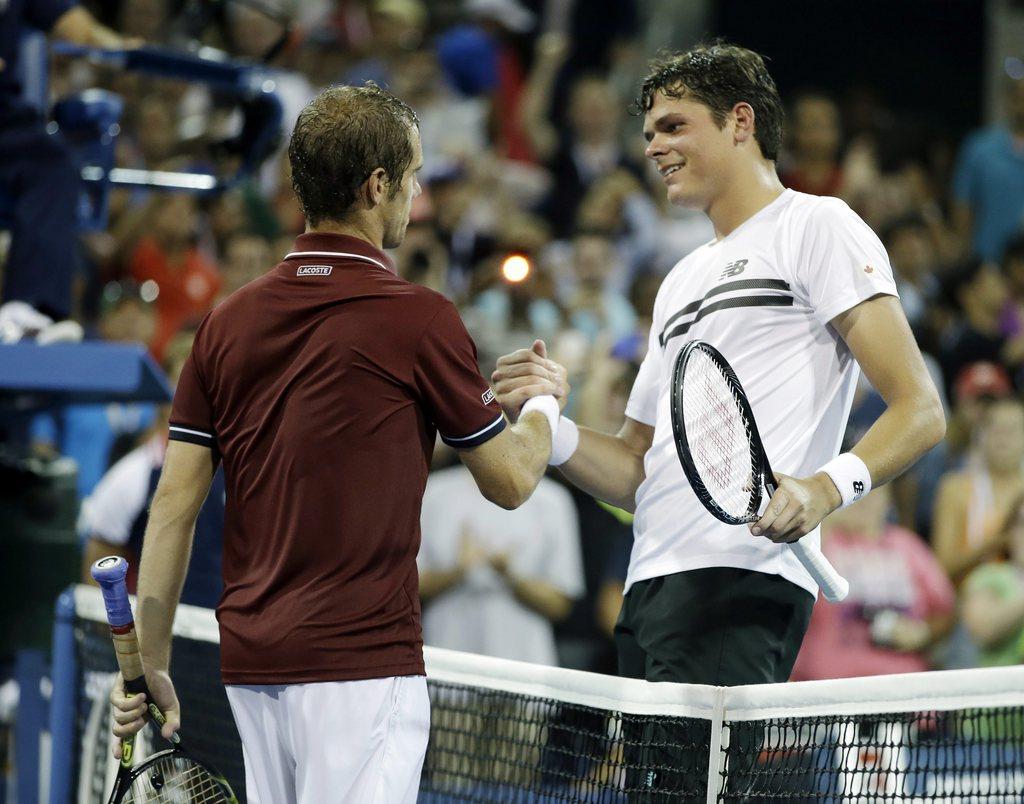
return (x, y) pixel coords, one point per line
(689, 149)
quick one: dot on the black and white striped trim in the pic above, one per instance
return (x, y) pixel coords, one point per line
(781, 297)
(203, 439)
(477, 438)
(344, 255)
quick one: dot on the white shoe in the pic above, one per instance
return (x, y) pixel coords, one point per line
(21, 321)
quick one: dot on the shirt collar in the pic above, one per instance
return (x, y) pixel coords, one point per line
(327, 246)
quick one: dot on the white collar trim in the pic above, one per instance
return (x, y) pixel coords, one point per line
(344, 254)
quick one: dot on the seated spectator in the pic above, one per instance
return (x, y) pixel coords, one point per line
(980, 294)
(114, 517)
(187, 279)
(973, 504)
(993, 601)
(495, 581)
(592, 306)
(900, 600)
(915, 266)
(815, 140)
(977, 385)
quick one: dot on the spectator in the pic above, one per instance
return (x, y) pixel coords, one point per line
(915, 264)
(593, 307)
(980, 293)
(900, 600)
(589, 149)
(993, 600)
(973, 505)
(975, 387)
(988, 184)
(495, 581)
(815, 139)
(187, 279)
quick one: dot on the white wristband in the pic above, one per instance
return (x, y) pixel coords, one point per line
(850, 475)
(566, 440)
(547, 405)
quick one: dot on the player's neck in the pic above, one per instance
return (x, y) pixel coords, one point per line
(361, 227)
(748, 192)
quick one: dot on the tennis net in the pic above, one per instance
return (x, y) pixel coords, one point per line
(512, 732)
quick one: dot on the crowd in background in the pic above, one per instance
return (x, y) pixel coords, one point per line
(530, 150)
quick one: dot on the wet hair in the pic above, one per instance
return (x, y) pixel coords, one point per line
(719, 75)
(340, 138)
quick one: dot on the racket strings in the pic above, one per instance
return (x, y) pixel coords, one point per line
(719, 438)
(175, 780)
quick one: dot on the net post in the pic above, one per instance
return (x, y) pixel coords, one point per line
(715, 748)
(62, 704)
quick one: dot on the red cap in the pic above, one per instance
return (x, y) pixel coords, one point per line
(982, 379)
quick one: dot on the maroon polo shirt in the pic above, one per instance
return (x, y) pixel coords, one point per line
(321, 385)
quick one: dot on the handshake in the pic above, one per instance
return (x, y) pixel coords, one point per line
(527, 380)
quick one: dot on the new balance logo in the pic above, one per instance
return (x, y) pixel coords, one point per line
(314, 270)
(487, 396)
(734, 269)
(858, 488)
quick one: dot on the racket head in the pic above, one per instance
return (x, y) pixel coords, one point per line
(715, 435)
(172, 776)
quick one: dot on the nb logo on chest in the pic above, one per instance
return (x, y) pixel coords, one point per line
(733, 269)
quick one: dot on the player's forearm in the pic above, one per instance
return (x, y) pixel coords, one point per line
(900, 436)
(606, 467)
(167, 546)
(531, 446)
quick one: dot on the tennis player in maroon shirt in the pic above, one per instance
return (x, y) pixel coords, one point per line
(321, 386)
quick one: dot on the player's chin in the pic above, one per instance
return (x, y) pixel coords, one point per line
(684, 195)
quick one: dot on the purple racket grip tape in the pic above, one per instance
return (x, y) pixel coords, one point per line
(109, 573)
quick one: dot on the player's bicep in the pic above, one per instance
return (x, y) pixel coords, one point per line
(878, 335)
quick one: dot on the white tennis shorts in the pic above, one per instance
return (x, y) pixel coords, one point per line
(337, 741)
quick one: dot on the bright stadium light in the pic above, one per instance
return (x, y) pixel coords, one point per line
(515, 268)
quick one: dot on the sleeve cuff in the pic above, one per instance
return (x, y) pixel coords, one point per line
(177, 432)
(477, 438)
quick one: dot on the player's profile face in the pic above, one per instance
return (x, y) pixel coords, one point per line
(398, 208)
(687, 147)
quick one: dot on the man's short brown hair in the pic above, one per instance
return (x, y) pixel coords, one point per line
(720, 75)
(340, 138)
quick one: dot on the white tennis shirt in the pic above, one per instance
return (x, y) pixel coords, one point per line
(763, 296)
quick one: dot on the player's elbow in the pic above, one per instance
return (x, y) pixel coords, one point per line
(508, 493)
(933, 422)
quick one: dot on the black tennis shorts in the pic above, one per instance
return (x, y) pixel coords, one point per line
(721, 626)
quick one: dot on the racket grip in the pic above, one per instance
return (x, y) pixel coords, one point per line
(833, 585)
(110, 574)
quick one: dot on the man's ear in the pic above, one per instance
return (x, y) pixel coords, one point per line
(375, 188)
(743, 113)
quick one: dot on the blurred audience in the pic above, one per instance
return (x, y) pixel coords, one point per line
(494, 581)
(900, 603)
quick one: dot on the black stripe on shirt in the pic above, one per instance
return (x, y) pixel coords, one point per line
(477, 438)
(726, 304)
(740, 284)
(192, 436)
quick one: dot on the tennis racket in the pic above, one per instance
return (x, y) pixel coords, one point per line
(721, 451)
(169, 776)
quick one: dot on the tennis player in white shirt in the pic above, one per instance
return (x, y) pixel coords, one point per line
(797, 292)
